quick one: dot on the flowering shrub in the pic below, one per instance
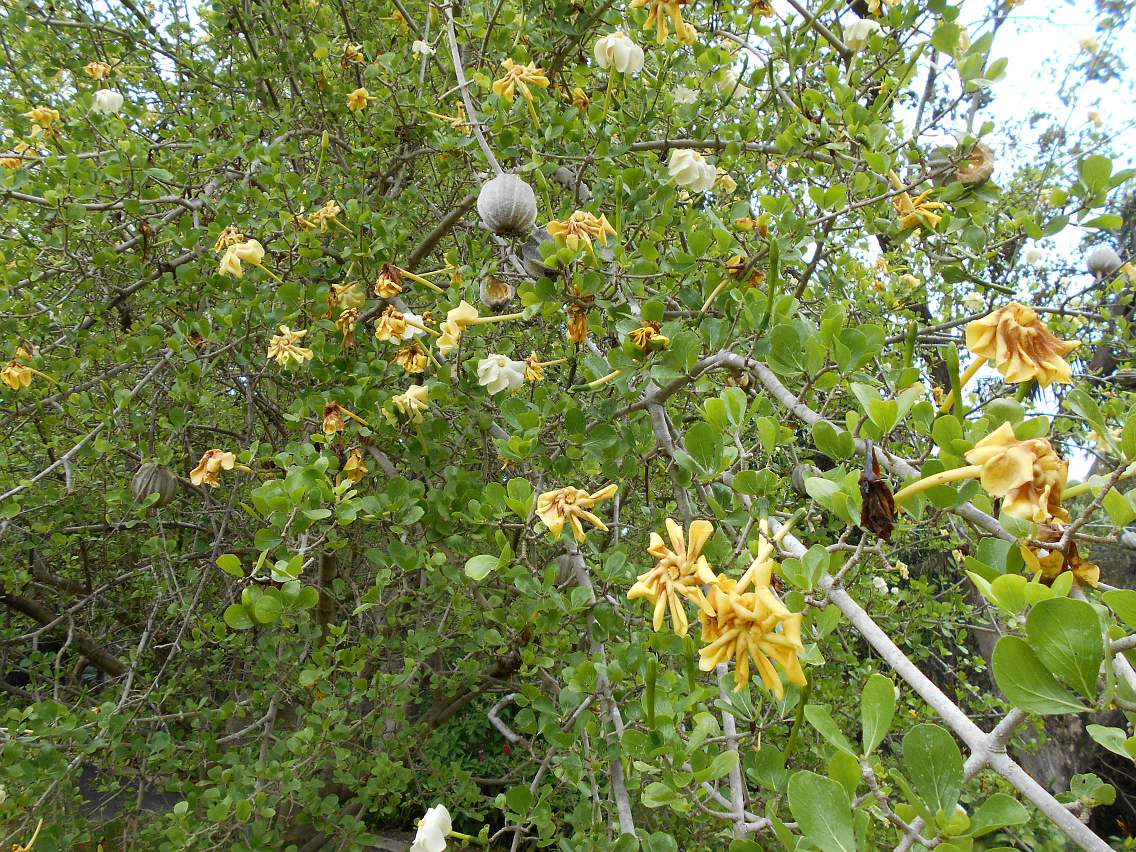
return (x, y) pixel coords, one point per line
(633, 468)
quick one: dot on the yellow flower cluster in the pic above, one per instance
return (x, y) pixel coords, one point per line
(915, 212)
(736, 624)
(520, 77)
(208, 470)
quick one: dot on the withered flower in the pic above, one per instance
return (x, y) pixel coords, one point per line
(649, 336)
(1021, 346)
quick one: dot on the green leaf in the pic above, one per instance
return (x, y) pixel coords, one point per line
(997, 812)
(1095, 171)
(719, 767)
(237, 617)
(657, 794)
(1068, 638)
(1114, 739)
(1123, 603)
(820, 718)
(519, 799)
(1119, 508)
(934, 765)
(308, 597)
(877, 710)
(230, 564)
(267, 608)
(704, 444)
(477, 568)
(822, 811)
(1027, 683)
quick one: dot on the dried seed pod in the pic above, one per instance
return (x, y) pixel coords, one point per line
(507, 206)
(496, 293)
(977, 168)
(799, 474)
(1103, 260)
(153, 478)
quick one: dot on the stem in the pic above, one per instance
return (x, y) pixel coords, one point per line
(267, 271)
(463, 85)
(971, 471)
(420, 326)
(714, 295)
(498, 318)
(975, 365)
(418, 279)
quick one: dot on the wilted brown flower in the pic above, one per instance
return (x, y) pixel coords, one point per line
(412, 358)
(649, 336)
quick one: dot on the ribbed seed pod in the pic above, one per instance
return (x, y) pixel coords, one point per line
(507, 206)
(1103, 260)
(153, 478)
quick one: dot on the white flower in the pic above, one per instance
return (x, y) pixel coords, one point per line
(421, 48)
(856, 34)
(880, 584)
(974, 302)
(107, 102)
(413, 326)
(432, 830)
(619, 52)
(687, 168)
(683, 95)
(498, 373)
(1034, 255)
(730, 86)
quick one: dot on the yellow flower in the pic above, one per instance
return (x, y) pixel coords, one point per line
(577, 323)
(249, 251)
(391, 325)
(579, 228)
(520, 77)
(649, 336)
(333, 414)
(463, 316)
(571, 504)
(737, 264)
(915, 212)
(659, 12)
(43, 117)
(1050, 564)
(208, 470)
(762, 8)
(228, 237)
(352, 55)
(18, 375)
(534, 370)
(1028, 475)
(412, 358)
(449, 338)
(282, 347)
(389, 282)
(752, 625)
(346, 325)
(680, 571)
(326, 215)
(357, 100)
(355, 468)
(726, 183)
(97, 70)
(1021, 346)
(876, 7)
(411, 404)
(580, 99)
(458, 122)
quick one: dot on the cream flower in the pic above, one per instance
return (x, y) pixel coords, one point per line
(283, 347)
(107, 102)
(97, 70)
(730, 86)
(1028, 475)
(463, 316)
(857, 34)
(571, 505)
(498, 373)
(433, 829)
(1021, 346)
(421, 48)
(688, 168)
(1034, 256)
(725, 182)
(684, 95)
(751, 625)
(617, 51)
(680, 571)
(412, 403)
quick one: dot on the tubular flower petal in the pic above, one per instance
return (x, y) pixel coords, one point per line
(355, 468)
(571, 505)
(208, 470)
(97, 70)
(463, 316)
(680, 572)
(579, 228)
(282, 347)
(534, 369)
(1021, 346)
(661, 13)
(915, 212)
(755, 625)
(358, 99)
(520, 77)
(411, 404)
(1028, 475)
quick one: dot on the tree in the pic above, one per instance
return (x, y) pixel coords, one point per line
(559, 413)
